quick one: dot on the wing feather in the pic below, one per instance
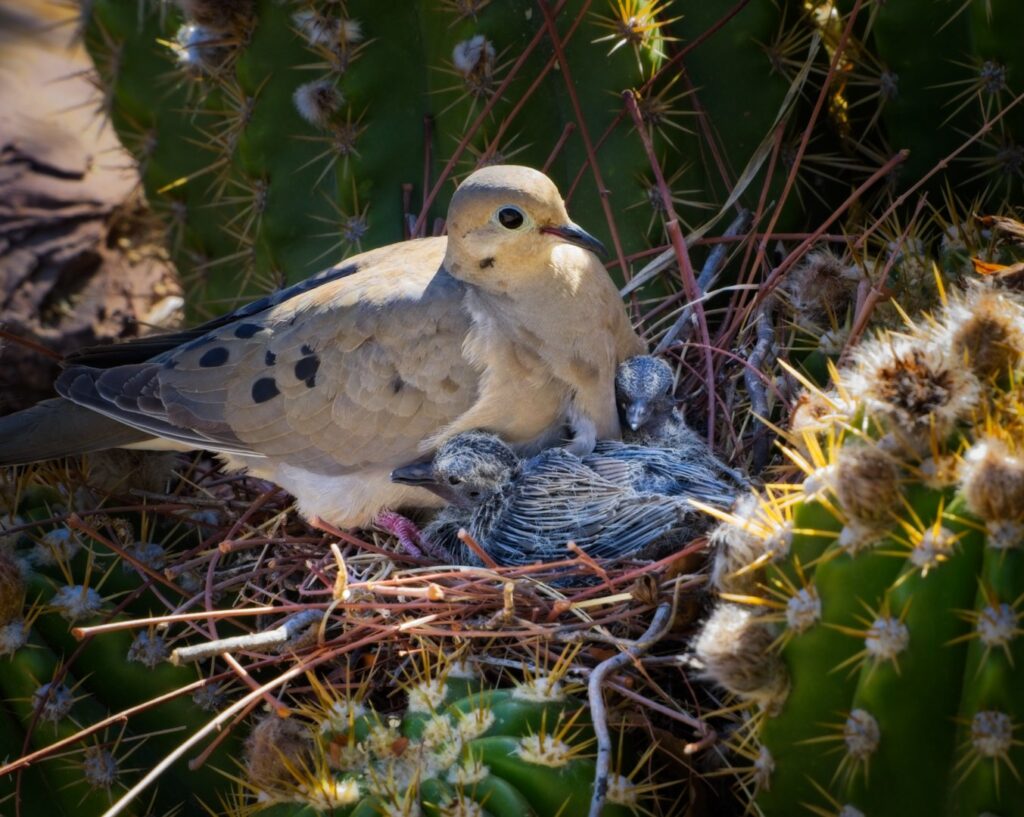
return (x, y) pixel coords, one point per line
(559, 499)
(331, 375)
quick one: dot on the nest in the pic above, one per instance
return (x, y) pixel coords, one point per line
(270, 610)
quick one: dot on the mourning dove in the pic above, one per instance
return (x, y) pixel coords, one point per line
(510, 324)
(651, 417)
(523, 511)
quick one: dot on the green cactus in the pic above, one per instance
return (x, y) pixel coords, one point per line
(274, 137)
(888, 589)
(932, 74)
(461, 747)
(53, 578)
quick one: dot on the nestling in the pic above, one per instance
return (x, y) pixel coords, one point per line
(523, 511)
(651, 417)
(325, 387)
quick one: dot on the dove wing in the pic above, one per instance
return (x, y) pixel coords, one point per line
(335, 374)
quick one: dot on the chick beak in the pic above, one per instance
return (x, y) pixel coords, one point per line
(574, 234)
(637, 414)
(419, 473)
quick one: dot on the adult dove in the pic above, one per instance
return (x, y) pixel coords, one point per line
(509, 324)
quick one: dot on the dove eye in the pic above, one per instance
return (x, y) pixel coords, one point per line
(511, 218)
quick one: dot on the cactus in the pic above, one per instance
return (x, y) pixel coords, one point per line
(461, 747)
(930, 75)
(273, 137)
(887, 589)
(53, 578)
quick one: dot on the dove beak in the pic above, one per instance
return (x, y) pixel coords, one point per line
(574, 234)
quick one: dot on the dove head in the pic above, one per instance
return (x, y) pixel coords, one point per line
(504, 222)
(468, 469)
(643, 387)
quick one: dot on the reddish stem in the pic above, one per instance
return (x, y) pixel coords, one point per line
(588, 145)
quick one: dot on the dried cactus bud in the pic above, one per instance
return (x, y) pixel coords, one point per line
(866, 483)
(738, 654)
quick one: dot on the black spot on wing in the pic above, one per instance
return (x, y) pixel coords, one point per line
(397, 384)
(306, 369)
(306, 349)
(270, 358)
(247, 330)
(487, 263)
(264, 389)
(217, 356)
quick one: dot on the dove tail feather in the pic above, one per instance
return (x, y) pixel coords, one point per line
(126, 395)
(59, 428)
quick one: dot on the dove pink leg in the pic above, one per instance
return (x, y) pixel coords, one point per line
(408, 534)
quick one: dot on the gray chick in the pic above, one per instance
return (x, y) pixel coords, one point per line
(650, 417)
(695, 474)
(523, 511)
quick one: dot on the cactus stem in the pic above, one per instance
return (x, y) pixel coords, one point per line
(927, 546)
(478, 73)
(991, 738)
(996, 625)
(835, 809)
(347, 226)
(341, 139)
(859, 735)
(661, 111)
(885, 638)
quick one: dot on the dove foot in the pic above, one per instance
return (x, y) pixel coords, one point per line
(408, 534)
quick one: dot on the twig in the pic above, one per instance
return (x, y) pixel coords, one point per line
(753, 378)
(467, 539)
(941, 165)
(675, 233)
(199, 760)
(709, 273)
(667, 69)
(75, 522)
(700, 726)
(142, 623)
(798, 252)
(250, 642)
(659, 626)
(877, 289)
(566, 133)
(577, 108)
(589, 561)
(826, 87)
(119, 717)
(29, 344)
